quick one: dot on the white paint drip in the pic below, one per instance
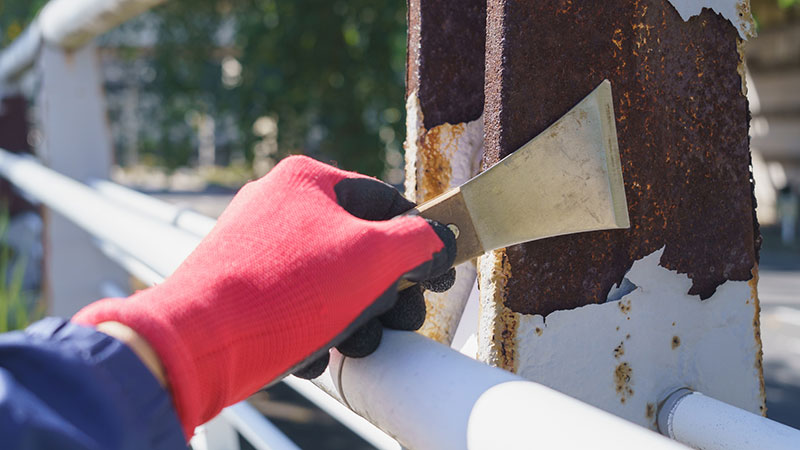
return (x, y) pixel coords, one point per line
(624, 356)
(736, 11)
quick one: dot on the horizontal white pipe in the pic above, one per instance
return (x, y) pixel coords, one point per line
(258, 431)
(21, 54)
(342, 414)
(183, 218)
(133, 266)
(703, 422)
(160, 246)
(72, 23)
(431, 397)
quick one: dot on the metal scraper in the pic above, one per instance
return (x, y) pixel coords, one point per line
(568, 179)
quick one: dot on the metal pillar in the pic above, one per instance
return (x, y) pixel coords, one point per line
(77, 143)
(444, 106)
(615, 318)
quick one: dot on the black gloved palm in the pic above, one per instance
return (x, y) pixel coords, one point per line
(405, 310)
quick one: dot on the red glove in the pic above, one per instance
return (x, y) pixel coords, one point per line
(290, 269)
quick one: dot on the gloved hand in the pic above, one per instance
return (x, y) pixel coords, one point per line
(299, 260)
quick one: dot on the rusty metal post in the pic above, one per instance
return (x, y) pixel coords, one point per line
(614, 318)
(444, 106)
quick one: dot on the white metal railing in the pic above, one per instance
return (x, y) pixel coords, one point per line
(424, 393)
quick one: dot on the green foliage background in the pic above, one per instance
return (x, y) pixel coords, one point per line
(332, 72)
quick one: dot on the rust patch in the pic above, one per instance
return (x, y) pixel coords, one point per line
(538, 331)
(676, 342)
(619, 350)
(623, 379)
(502, 351)
(624, 306)
(759, 361)
(650, 412)
(682, 124)
(435, 149)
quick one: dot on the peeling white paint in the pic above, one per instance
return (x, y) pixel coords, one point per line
(414, 128)
(655, 339)
(461, 145)
(736, 11)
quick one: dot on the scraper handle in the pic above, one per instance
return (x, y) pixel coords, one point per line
(450, 209)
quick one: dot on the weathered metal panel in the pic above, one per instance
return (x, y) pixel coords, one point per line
(682, 123)
(444, 103)
(562, 311)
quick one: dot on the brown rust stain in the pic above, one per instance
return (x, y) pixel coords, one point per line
(650, 412)
(538, 331)
(434, 159)
(759, 360)
(676, 342)
(682, 124)
(623, 379)
(619, 350)
(503, 352)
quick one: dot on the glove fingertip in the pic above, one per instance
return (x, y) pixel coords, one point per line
(363, 341)
(313, 368)
(408, 313)
(441, 283)
(442, 260)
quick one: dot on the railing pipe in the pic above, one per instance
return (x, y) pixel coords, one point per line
(258, 431)
(72, 23)
(21, 54)
(431, 397)
(703, 422)
(183, 218)
(143, 238)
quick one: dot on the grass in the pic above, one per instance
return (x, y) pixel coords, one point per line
(16, 310)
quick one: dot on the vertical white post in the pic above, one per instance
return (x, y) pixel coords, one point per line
(77, 143)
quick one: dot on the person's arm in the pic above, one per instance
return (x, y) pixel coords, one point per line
(302, 260)
(67, 386)
(140, 347)
(305, 259)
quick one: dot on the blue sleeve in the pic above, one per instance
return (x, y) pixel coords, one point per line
(66, 386)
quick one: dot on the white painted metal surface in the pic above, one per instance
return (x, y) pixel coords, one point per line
(161, 246)
(258, 431)
(705, 423)
(342, 414)
(21, 54)
(77, 143)
(216, 434)
(504, 416)
(623, 356)
(183, 218)
(461, 145)
(72, 23)
(426, 395)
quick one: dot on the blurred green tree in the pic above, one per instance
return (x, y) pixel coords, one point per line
(15, 16)
(331, 73)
